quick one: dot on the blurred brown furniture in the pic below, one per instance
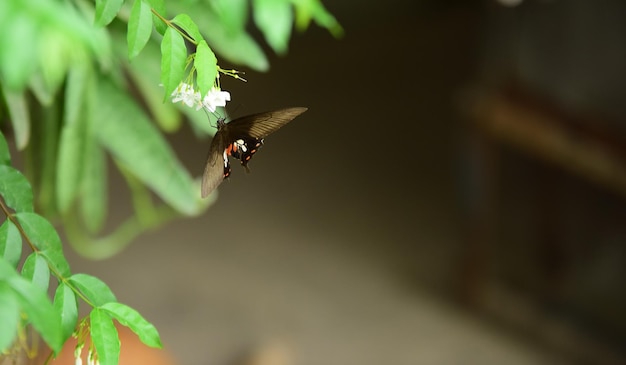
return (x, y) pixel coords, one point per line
(587, 146)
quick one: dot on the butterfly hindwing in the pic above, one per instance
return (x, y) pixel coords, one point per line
(241, 138)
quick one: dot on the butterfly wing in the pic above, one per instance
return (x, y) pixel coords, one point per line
(260, 125)
(214, 168)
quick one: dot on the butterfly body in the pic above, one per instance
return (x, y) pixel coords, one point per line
(240, 139)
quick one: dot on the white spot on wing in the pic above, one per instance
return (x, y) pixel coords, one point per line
(225, 159)
(241, 144)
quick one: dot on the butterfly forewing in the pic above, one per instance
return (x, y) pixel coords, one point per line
(251, 128)
(214, 169)
(261, 125)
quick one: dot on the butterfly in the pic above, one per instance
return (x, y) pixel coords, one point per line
(241, 139)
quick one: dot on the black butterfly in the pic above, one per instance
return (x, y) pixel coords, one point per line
(241, 138)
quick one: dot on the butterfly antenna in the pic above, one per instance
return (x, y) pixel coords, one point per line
(215, 114)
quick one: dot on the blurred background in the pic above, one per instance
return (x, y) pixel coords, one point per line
(454, 195)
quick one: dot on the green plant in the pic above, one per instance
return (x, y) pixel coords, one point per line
(75, 93)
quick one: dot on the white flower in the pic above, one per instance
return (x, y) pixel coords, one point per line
(77, 352)
(91, 358)
(185, 93)
(214, 98)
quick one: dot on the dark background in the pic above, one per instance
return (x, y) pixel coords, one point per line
(361, 237)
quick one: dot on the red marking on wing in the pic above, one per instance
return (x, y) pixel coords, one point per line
(230, 149)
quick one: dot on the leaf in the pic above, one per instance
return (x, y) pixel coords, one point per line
(237, 48)
(314, 9)
(43, 93)
(139, 27)
(93, 201)
(94, 289)
(173, 60)
(20, 118)
(104, 337)
(206, 67)
(67, 307)
(144, 71)
(189, 26)
(5, 155)
(43, 158)
(274, 18)
(36, 270)
(106, 10)
(43, 236)
(325, 19)
(159, 7)
(36, 305)
(9, 316)
(57, 53)
(10, 243)
(17, 63)
(232, 13)
(129, 136)
(75, 136)
(15, 189)
(130, 318)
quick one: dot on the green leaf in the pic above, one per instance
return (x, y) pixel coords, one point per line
(5, 155)
(325, 19)
(43, 236)
(67, 307)
(130, 318)
(43, 153)
(75, 136)
(36, 305)
(17, 63)
(232, 13)
(159, 7)
(94, 289)
(7, 272)
(57, 53)
(238, 48)
(15, 189)
(173, 60)
(20, 119)
(43, 93)
(128, 135)
(314, 9)
(78, 92)
(104, 337)
(106, 10)
(10, 243)
(9, 315)
(274, 18)
(139, 27)
(93, 202)
(206, 67)
(36, 270)
(189, 26)
(144, 70)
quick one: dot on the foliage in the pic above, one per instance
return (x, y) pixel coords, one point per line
(23, 295)
(81, 83)
(76, 93)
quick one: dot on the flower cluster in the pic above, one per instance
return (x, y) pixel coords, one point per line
(213, 99)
